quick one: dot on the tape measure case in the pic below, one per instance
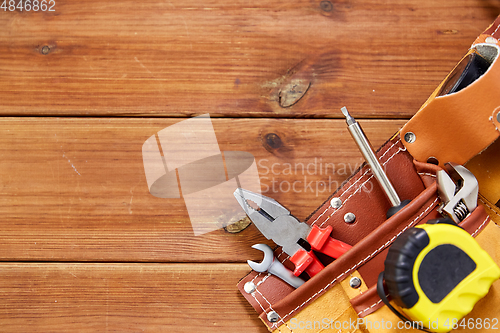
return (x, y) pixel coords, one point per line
(437, 273)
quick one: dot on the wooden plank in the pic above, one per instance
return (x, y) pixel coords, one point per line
(124, 298)
(74, 189)
(232, 58)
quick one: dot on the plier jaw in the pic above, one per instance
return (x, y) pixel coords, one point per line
(273, 220)
(268, 208)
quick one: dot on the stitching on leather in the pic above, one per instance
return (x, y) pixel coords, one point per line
(491, 208)
(279, 255)
(374, 304)
(288, 327)
(264, 279)
(259, 283)
(427, 174)
(271, 307)
(256, 276)
(355, 182)
(432, 204)
(253, 295)
(366, 181)
(283, 260)
(494, 32)
(491, 119)
(265, 299)
(479, 228)
(287, 257)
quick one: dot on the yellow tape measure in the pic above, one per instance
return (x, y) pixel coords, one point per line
(437, 272)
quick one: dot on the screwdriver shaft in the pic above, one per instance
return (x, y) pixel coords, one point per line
(369, 154)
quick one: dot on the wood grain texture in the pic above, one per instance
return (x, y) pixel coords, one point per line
(124, 298)
(74, 189)
(84, 246)
(232, 58)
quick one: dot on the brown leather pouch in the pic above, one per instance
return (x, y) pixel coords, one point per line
(456, 126)
(329, 301)
(322, 297)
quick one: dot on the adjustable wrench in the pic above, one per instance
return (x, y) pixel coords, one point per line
(458, 189)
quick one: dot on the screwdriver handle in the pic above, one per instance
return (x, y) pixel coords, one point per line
(321, 241)
(306, 261)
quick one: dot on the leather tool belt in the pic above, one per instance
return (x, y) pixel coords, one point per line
(328, 301)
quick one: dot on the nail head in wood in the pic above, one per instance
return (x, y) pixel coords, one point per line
(45, 50)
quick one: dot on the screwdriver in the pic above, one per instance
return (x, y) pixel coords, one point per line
(369, 154)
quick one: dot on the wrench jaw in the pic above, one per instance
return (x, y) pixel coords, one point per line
(272, 266)
(469, 190)
(458, 190)
(266, 263)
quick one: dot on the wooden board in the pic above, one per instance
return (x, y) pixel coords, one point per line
(74, 189)
(124, 298)
(233, 58)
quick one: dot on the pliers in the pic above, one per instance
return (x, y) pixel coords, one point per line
(297, 239)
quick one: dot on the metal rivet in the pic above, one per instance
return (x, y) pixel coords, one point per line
(249, 287)
(336, 203)
(410, 137)
(491, 40)
(349, 218)
(355, 282)
(45, 49)
(273, 317)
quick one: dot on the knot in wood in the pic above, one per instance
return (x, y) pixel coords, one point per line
(273, 140)
(293, 91)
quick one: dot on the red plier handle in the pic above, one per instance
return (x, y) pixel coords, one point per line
(306, 261)
(320, 241)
